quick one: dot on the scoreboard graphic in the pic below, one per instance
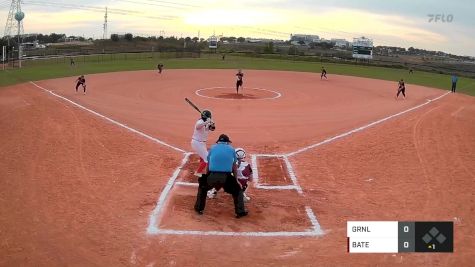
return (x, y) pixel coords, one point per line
(395, 237)
(362, 48)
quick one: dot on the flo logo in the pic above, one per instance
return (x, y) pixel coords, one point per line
(441, 18)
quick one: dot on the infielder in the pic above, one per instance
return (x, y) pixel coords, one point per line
(160, 68)
(200, 136)
(81, 81)
(324, 73)
(239, 77)
(401, 89)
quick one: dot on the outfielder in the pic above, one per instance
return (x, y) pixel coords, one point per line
(200, 136)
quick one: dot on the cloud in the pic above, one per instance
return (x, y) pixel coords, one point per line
(400, 23)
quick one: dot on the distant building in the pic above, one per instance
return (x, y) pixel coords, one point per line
(263, 40)
(32, 45)
(303, 38)
(340, 42)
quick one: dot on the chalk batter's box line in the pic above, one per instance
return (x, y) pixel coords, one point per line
(258, 185)
(314, 231)
(290, 172)
(263, 187)
(155, 217)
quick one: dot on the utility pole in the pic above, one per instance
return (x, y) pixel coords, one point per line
(104, 35)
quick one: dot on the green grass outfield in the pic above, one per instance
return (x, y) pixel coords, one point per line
(53, 68)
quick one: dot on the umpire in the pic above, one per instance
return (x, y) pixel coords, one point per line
(221, 172)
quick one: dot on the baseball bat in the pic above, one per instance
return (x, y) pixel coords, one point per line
(193, 105)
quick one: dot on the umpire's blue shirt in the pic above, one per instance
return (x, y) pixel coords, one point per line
(221, 158)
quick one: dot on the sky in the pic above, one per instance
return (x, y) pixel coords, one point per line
(402, 23)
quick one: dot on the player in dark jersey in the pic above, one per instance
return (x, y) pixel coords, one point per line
(160, 67)
(81, 81)
(324, 73)
(239, 76)
(401, 89)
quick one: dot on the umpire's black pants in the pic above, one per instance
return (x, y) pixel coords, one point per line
(218, 180)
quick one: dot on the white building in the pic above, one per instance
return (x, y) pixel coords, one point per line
(305, 38)
(340, 42)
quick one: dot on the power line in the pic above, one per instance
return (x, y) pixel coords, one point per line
(153, 4)
(173, 3)
(98, 9)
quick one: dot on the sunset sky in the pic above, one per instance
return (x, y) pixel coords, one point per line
(399, 23)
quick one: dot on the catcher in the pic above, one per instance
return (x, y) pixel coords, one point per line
(243, 174)
(244, 171)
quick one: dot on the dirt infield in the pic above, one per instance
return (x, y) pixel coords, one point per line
(79, 190)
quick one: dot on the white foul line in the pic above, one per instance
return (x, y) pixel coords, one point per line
(362, 127)
(111, 120)
(152, 224)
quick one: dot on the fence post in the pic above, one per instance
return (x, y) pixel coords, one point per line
(4, 50)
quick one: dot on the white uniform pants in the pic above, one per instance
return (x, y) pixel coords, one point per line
(200, 149)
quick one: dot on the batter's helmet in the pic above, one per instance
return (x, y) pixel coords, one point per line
(205, 114)
(240, 153)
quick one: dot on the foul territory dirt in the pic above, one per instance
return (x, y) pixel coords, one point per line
(77, 190)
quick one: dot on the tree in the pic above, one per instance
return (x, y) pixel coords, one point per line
(115, 37)
(241, 39)
(128, 36)
(269, 48)
(292, 50)
(195, 39)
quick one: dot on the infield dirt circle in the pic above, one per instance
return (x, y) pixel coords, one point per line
(106, 179)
